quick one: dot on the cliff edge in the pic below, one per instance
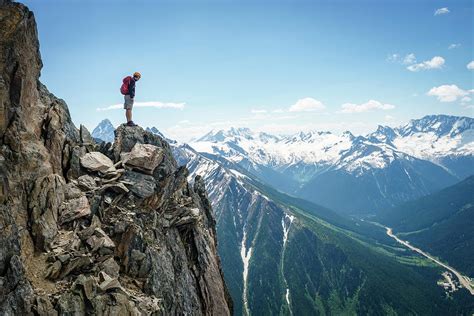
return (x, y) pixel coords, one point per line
(87, 228)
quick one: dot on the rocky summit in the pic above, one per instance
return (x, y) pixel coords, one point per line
(87, 228)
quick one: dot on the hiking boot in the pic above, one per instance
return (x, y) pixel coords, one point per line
(130, 123)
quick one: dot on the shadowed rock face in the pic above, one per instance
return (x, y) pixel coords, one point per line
(131, 238)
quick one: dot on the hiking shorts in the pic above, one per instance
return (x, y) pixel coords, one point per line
(128, 104)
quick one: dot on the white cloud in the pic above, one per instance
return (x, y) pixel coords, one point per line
(453, 46)
(365, 107)
(447, 93)
(441, 11)
(258, 111)
(409, 59)
(150, 104)
(307, 104)
(278, 111)
(435, 63)
(470, 66)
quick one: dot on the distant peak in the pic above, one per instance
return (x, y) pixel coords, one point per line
(106, 121)
(439, 124)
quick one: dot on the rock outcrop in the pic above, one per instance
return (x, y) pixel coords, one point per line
(87, 228)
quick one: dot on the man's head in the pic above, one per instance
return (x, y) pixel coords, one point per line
(137, 76)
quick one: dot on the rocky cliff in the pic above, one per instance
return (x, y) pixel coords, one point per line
(89, 229)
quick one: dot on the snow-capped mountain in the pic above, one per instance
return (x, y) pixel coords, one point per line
(155, 131)
(388, 166)
(266, 244)
(352, 174)
(104, 131)
(430, 138)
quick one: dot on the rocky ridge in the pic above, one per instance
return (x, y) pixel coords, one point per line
(87, 228)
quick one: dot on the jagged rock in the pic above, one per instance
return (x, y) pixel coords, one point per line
(65, 240)
(16, 291)
(87, 285)
(97, 161)
(143, 157)
(86, 138)
(45, 200)
(142, 185)
(71, 304)
(100, 240)
(86, 183)
(111, 267)
(75, 170)
(107, 282)
(87, 232)
(115, 304)
(74, 209)
(44, 306)
(75, 264)
(42, 155)
(54, 270)
(125, 139)
(117, 187)
(71, 191)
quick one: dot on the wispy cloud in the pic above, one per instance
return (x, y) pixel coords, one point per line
(365, 107)
(257, 111)
(409, 59)
(399, 59)
(441, 11)
(150, 104)
(453, 46)
(465, 100)
(307, 104)
(393, 58)
(436, 62)
(470, 66)
(448, 93)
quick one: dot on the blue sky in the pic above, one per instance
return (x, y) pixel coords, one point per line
(276, 66)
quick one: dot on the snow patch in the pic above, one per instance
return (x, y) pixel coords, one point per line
(245, 255)
(286, 224)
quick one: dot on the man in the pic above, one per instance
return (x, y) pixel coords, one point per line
(128, 90)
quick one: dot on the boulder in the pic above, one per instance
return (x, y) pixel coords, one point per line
(107, 282)
(140, 184)
(74, 209)
(143, 157)
(100, 240)
(86, 183)
(110, 267)
(97, 161)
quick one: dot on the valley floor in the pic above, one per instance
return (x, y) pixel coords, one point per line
(463, 280)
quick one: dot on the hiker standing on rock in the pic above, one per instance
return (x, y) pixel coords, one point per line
(128, 90)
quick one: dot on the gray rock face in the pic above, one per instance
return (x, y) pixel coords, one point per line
(79, 235)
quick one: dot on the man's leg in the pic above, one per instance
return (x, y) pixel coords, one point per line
(128, 114)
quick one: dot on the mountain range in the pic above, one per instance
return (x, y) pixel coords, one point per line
(285, 255)
(354, 174)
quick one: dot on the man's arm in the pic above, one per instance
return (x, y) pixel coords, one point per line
(131, 88)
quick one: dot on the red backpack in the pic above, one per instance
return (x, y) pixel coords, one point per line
(125, 84)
